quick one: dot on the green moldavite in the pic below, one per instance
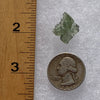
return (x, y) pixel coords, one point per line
(66, 29)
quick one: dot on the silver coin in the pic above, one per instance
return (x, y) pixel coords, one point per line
(66, 72)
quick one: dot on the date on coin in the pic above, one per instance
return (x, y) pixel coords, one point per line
(66, 72)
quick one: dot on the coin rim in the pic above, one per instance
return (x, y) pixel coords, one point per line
(76, 57)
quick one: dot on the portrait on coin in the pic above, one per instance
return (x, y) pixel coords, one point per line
(67, 70)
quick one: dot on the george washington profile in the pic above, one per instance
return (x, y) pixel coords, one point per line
(67, 71)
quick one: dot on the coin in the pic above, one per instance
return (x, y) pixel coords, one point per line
(66, 72)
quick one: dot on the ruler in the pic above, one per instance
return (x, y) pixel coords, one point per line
(17, 49)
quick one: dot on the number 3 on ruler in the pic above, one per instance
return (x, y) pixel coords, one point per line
(16, 66)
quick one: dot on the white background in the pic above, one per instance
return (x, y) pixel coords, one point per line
(85, 44)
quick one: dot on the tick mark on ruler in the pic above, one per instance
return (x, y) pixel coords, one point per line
(24, 94)
(22, 32)
(28, 13)
(31, 27)
(29, 88)
(28, 83)
(30, 47)
(30, 57)
(26, 52)
(31, 70)
(30, 3)
(29, 42)
(21, 73)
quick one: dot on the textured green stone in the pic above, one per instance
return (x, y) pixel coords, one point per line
(66, 29)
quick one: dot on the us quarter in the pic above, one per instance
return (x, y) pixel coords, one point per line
(66, 72)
